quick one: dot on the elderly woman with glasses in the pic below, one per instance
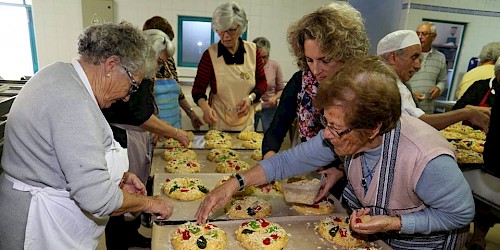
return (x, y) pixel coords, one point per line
(399, 169)
(64, 174)
(234, 71)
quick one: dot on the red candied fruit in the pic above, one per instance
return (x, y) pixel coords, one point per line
(337, 219)
(238, 207)
(167, 180)
(185, 235)
(274, 236)
(266, 241)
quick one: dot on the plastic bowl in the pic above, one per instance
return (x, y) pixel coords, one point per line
(303, 189)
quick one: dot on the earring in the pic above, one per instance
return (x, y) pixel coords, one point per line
(108, 74)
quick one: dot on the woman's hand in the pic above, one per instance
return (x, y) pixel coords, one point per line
(131, 184)
(272, 100)
(332, 176)
(269, 154)
(182, 136)
(216, 199)
(159, 207)
(195, 120)
(244, 107)
(376, 224)
(209, 116)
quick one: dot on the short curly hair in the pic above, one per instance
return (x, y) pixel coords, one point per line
(368, 88)
(490, 52)
(337, 27)
(99, 42)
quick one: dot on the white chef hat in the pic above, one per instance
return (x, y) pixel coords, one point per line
(397, 40)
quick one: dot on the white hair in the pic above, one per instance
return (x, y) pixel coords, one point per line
(159, 41)
(228, 13)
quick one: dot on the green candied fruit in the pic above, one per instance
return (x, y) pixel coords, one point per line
(194, 230)
(272, 229)
(253, 224)
(247, 231)
(203, 189)
(201, 242)
(333, 231)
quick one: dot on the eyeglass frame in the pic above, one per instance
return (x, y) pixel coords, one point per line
(135, 86)
(339, 135)
(229, 31)
(424, 33)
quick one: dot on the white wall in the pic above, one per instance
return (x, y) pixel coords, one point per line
(377, 22)
(58, 23)
(480, 30)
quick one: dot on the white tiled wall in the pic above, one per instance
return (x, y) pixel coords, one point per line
(58, 23)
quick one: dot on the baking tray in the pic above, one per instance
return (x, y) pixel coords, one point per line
(199, 140)
(301, 230)
(158, 166)
(186, 210)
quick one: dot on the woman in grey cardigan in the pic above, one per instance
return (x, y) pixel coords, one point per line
(64, 174)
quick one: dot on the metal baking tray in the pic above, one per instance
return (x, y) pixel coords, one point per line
(186, 210)
(301, 230)
(158, 166)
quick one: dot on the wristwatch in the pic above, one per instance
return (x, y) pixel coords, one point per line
(251, 98)
(241, 181)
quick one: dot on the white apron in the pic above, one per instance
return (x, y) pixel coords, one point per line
(54, 219)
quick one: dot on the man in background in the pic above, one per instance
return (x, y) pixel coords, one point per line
(487, 58)
(401, 50)
(429, 82)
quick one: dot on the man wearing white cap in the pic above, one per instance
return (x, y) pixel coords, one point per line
(401, 50)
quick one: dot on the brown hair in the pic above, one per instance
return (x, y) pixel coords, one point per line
(159, 23)
(337, 27)
(367, 87)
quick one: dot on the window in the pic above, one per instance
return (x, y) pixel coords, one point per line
(195, 35)
(18, 49)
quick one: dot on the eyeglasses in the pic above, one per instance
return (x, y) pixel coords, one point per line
(232, 31)
(134, 84)
(339, 135)
(424, 33)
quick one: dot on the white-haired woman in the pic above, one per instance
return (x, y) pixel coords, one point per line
(168, 95)
(234, 71)
(132, 123)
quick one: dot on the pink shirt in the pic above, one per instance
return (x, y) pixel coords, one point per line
(275, 81)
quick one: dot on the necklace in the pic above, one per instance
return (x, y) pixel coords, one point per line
(370, 171)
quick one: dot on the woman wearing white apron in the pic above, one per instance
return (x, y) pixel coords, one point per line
(62, 168)
(234, 70)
